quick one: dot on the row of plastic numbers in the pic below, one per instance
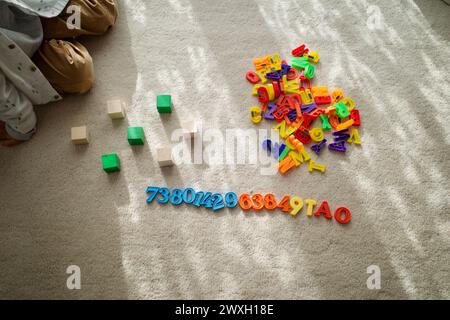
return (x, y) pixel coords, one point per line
(189, 196)
(257, 202)
(293, 205)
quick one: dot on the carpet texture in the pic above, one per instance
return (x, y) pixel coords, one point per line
(58, 208)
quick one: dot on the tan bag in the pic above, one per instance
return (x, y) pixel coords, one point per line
(67, 65)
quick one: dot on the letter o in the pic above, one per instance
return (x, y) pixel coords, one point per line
(342, 211)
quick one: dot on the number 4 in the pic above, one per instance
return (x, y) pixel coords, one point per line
(284, 204)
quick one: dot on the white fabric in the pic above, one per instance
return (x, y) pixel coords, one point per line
(21, 26)
(16, 110)
(18, 68)
(22, 84)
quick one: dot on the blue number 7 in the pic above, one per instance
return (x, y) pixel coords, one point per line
(153, 191)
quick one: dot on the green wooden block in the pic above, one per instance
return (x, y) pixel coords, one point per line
(136, 136)
(164, 103)
(111, 162)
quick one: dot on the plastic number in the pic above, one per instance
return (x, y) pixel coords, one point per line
(231, 200)
(177, 197)
(258, 201)
(189, 195)
(198, 198)
(207, 201)
(269, 202)
(153, 193)
(296, 204)
(284, 204)
(164, 192)
(245, 202)
(217, 201)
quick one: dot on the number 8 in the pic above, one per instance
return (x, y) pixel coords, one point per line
(177, 197)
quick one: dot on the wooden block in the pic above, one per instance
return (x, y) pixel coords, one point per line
(116, 109)
(80, 135)
(164, 156)
(111, 162)
(136, 136)
(164, 103)
(190, 129)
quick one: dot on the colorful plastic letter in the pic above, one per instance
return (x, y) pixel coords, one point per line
(285, 165)
(316, 134)
(310, 206)
(255, 113)
(334, 120)
(283, 132)
(349, 103)
(342, 211)
(252, 77)
(337, 95)
(316, 166)
(354, 114)
(313, 56)
(337, 146)
(325, 210)
(321, 95)
(318, 147)
(284, 153)
(341, 110)
(325, 123)
(354, 137)
(345, 125)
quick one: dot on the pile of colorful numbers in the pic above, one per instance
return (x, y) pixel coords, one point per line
(287, 97)
(257, 202)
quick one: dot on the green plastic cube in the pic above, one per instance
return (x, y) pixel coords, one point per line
(136, 136)
(111, 162)
(164, 103)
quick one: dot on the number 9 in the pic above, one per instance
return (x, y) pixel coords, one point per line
(231, 199)
(296, 204)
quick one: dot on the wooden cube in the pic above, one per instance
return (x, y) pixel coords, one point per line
(111, 162)
(164, 156)
(80, 135)
(136, 136)
(164, 103)
(190, 129)
(116, 109)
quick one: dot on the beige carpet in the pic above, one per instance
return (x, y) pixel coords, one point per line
(58, 208)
